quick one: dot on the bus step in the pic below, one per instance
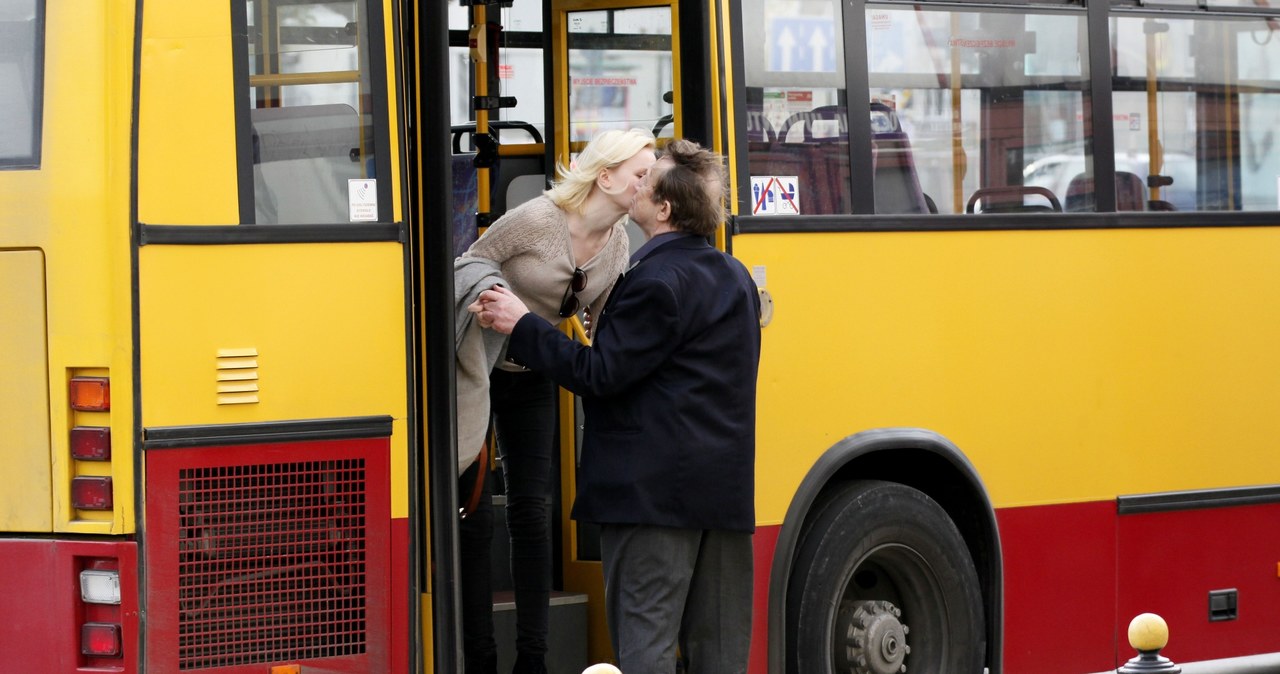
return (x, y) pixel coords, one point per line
(566, 638)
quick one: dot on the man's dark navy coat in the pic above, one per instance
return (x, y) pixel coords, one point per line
(668, 391)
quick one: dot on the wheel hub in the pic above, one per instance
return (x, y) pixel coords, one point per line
(875, 639)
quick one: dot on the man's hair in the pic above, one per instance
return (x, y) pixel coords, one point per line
(693, 182)
(605, 151)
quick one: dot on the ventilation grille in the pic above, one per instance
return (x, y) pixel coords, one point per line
(237, 376)
(272, 563)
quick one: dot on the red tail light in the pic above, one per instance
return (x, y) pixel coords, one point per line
(91, 493)
(91, 443)
(100, 639)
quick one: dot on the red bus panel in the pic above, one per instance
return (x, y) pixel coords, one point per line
(272, 553)
(43, 612)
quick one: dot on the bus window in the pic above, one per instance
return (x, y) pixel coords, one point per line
(797, 123)
(1194, 106)
(620, 71)
(520, 69)
(310, 103)
(983, 96)
(621, 76)
(960, 102)
(21, 63)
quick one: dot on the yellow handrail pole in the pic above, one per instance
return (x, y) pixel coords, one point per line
(288, 79)
(1227, 114)
(480, 52)
(958, 164)
(1153, 111)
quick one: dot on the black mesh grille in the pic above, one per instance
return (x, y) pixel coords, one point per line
(272, 563)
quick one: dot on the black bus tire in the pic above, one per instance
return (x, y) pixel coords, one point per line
(882, 581)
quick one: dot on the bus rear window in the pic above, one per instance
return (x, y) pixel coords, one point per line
(21, 80)
(311, 113)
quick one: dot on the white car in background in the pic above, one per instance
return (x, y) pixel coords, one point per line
(1055, 172)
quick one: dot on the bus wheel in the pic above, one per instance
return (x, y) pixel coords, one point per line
(883, 584)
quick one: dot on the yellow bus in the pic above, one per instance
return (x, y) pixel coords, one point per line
(1018, 371)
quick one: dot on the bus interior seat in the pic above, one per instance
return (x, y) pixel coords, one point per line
(819, 162)
(466, 201)
(897, 187)
(805, 120)
(514, 178)
(1130, 193)
(771, 156)
(1079, 196)
(520, 176)
(895, 181)
(759, 129)
(302, 158)
(525, 187)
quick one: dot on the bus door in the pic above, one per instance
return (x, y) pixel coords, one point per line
(616, 67)
(527, 86)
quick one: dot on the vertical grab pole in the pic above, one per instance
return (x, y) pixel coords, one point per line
(1154, 150)
(480, 54)
(959, 165)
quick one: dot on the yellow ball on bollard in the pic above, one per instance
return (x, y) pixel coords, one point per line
(1148, 632)
(602, 668)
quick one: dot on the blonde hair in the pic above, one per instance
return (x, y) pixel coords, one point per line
(605, 151)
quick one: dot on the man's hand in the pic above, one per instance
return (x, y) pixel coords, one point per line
(499, 309)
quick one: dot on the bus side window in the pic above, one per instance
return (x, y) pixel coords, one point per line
(313, 111)
(22, 81)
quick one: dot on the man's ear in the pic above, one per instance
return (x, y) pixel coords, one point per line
(664, 211)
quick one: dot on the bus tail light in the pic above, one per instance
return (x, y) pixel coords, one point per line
(91, 492)
(91, 443)
(100, 639)
(90, 394)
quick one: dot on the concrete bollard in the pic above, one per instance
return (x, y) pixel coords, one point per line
(1148, 633)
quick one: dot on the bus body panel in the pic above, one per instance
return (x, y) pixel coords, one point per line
(71, 213)
(1170, 562)
(1010, 344)
(24, 398)
(1076, 564)
(187, 171)
(298, 320)
(1060, 578)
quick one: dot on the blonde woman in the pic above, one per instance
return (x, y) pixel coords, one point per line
(561, 253)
